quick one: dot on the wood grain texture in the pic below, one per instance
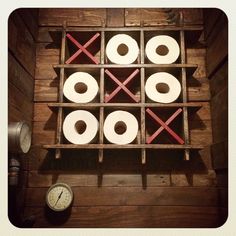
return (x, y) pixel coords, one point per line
(217, 45)
(158, 196)
(220, 155)
(115, 17)
(20, 78)
(162, 16)
(19, 106)
(131, 216)
(46, 90)
(148, 16)
(23, 47)
(30, 20)
(211, 16)
(219, 110)
(219, 80)
(72, 16)
(192, 16)
(47, 55)
(46, 179)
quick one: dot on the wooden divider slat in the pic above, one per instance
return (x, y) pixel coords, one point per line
(61, 83)
(184, 93)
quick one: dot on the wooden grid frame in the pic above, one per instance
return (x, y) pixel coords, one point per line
(186, 70)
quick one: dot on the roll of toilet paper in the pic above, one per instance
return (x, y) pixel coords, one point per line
(162, 87)
(80, 127)
(162, 49)
(122, 49)
(120, 127)
(80, 87)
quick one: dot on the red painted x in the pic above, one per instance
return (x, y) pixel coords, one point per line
(164, 125)
(121, 85)
(82, 49)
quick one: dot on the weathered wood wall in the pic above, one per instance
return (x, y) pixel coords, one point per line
(22, 32)
(216, 35)
(171, 192)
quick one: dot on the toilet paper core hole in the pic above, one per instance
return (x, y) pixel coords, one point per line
(80, 126)
(122, 49)
(162, 50)
(120, 127)
(162, 88)
(81, 87)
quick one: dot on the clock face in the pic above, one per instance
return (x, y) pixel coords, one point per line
(59, 197)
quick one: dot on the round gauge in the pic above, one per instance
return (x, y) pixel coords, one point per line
(19, 137)
(59, 197)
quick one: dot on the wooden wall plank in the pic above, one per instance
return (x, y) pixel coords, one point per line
(158, 196)
(72, 16)
(219, 110)
(198, 90)
(28, 16)
(46, 179)
(131, 216)
(44, 133)
(24, 47)
(200, 132)
(17, 103)
(46, 90)
(20, 78)
(219, 80)
(181, 179)
(149, 17)
(192, 16)
(217, 45)
(220, 155)
(198, 84)
(197, 56)
(43, 113)
(178, 178)
(115, 17)
(162, 16)
(211, 16)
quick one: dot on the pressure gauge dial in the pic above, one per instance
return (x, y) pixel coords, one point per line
(59, 197)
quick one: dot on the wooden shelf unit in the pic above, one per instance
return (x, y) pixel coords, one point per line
(185, 70)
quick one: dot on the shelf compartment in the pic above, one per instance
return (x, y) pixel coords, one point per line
(162, 50)
(167, 129)
(94, 72)
(82, 47)
(122, 85)
(133, 34)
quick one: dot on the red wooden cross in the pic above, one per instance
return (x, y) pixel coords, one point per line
(164, 125)
(121, 85)
(82, 48)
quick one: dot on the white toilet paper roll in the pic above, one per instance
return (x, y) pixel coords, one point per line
(80, 127)
(122, 49)
(171, 49)
(80, 87)
(120, 127)
(162, 87)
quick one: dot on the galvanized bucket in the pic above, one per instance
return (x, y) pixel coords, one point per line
(19, 137)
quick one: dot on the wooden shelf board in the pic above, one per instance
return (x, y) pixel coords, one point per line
(89, 105)
(144, 28)
(190, 68)
(127, 146)
(145, 65)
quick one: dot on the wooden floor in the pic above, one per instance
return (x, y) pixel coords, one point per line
(168, 192)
